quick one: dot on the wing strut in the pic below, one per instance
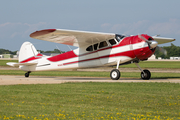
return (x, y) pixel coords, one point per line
(118, 64)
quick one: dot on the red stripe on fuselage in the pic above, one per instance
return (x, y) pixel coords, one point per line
(71, 54)
(63, 56)
(32, 58)
(127, 53)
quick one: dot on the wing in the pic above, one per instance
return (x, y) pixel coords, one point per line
(162, 40)
(71, 37)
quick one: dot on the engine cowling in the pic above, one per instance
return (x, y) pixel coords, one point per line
(143, 49)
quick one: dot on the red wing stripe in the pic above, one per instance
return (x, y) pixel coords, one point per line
(41, 32)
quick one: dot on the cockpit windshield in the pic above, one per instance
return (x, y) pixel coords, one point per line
(119, 37)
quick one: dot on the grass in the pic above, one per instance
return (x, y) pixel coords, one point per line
(3, 62)
(143, 64)
(91, 101)
(90, 74)
(155, 64)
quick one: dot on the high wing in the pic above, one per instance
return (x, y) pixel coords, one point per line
(162, 40)
(71, 37)
(80, 38)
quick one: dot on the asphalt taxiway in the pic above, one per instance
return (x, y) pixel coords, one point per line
(14, 80)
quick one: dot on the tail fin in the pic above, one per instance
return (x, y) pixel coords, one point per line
(27, 52)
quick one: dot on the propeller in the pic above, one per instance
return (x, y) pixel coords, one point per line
(164, 51)
(152, 44)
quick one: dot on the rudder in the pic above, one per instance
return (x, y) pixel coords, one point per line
(27, 50)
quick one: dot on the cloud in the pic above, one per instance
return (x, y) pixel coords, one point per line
(11, 30)
(125, 28)
(172, 26)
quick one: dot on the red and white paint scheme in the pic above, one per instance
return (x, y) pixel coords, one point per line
(94, 50)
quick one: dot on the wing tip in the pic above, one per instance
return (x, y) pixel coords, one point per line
(41, 32)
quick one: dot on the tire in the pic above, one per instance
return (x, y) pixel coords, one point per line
(27, 74)
(115, 74)
(146, 76)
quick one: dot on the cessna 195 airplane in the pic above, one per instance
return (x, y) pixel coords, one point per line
(94, 50)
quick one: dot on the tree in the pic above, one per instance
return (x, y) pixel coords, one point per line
(4, 51)
(55, 51)
(172, 51)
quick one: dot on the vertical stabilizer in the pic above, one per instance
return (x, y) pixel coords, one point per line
(27, 51)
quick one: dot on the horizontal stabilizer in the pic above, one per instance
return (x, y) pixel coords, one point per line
(13, 64)
(162, 40)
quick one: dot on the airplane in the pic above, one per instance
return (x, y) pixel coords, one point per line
(95, 49)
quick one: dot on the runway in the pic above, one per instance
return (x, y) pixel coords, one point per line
(15, 80)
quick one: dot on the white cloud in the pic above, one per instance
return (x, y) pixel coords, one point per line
(11, 30)
(172, 26)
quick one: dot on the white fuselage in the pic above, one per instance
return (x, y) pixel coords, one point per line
(83, 59)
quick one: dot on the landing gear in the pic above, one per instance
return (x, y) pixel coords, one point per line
(115, 74)
(27, 74)
(145, 74)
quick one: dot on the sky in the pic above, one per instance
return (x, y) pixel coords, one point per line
(19, 18)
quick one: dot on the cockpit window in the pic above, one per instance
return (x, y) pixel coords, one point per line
(95, 46)
(119, 37)
(90, 48)
(112, 41)
(103, 44)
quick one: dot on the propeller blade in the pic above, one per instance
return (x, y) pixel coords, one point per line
(162, 50)
(152, 44)
(141, 37)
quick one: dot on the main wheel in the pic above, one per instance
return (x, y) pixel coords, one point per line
(27, 74)
(146, 75)
(115, 74)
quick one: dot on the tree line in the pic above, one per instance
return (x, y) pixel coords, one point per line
(5, 51)
(167, 51)
(164, 52)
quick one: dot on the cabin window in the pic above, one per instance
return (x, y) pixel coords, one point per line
(119, 37)
(90, 48)
(103, 44)
(95, 46)
(112, 41)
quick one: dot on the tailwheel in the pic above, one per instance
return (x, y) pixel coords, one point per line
(146, 75)
(27, 74)
(115, 74)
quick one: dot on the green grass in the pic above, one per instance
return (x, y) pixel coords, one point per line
(3, 62)
(155, 64)
(90, 74)
(90, 101)
(143, 64)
